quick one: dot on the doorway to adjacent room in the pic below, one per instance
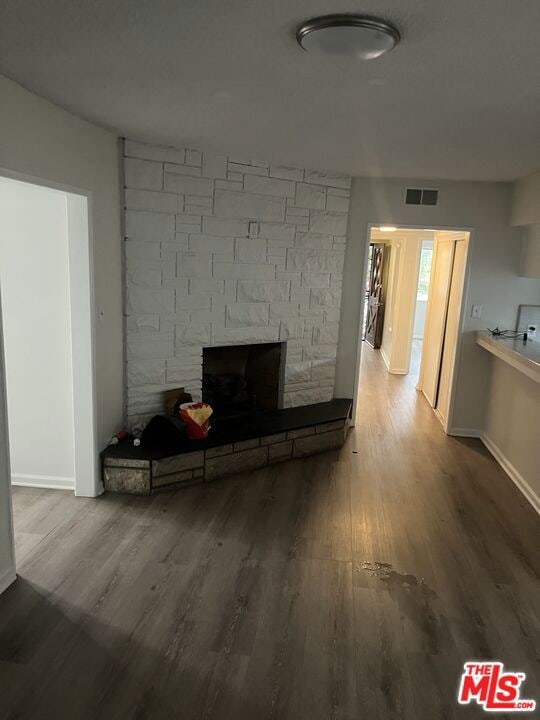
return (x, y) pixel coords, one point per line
(413, 307)
(47, 333)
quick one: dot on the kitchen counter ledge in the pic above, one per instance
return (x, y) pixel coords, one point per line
(523, 356)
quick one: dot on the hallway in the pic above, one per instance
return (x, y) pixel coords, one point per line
(349, 585)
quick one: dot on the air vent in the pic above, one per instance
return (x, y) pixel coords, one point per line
(421, 196)
(430, 197)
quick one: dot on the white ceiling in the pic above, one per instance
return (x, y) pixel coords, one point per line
(459, 98)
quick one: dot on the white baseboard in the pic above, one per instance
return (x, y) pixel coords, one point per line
(512, 473)
(385, 359)
(48, 482)
(7, 578)
(503, 461)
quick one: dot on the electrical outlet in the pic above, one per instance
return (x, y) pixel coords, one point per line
(476, 311)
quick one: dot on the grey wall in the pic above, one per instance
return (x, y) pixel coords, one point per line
(41, 140)
(526, 213)
(494, 281)
(511, 427)
(46, 143)
(525, 201)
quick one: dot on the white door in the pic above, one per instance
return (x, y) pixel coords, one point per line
(452, 329)
(439, 291)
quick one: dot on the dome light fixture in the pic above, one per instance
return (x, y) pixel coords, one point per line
(356, 36)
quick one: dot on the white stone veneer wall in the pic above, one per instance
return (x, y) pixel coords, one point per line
(225, 250)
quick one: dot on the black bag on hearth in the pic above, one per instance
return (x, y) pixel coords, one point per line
(164, 433)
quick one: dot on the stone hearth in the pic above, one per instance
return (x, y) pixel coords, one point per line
(271, 438)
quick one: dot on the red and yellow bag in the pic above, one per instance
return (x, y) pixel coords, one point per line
(196, 415)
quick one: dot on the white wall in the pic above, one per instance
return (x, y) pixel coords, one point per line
(494, 280)
(34, 281)
(227, 250)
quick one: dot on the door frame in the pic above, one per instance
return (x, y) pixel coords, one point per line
(8, 575)
(83, 330)
(462, 313)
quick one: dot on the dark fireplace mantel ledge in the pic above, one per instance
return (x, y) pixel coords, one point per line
(232, 446)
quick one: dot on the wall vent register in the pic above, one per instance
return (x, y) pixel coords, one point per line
(421, 196)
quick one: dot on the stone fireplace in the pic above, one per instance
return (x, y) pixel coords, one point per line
(243, 379)
(226, 251)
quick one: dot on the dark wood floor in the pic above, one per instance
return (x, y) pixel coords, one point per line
(350, 585)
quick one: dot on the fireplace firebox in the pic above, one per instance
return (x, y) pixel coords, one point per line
(242, 379)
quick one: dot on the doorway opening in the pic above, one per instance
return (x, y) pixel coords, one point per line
(413, 307)
(47, 331)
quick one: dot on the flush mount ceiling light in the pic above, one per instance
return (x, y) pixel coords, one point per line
(363, 38)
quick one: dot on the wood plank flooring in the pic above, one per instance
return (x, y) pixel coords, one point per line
(349, 585)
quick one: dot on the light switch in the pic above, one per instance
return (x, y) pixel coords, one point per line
(476, 311)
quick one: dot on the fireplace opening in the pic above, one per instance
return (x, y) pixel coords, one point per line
(243, 379)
